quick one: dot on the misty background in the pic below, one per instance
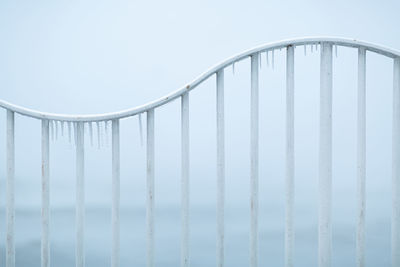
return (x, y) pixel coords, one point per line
(92, 57)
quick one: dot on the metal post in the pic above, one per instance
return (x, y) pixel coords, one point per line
(220, 169)
(185, 180)
(289, 228)
(10, 246)
(254, 162)
(325, 159)
(45, 246)
(150, 188)
(361, 158)
(80, 196)
(396, 166)
(115, 193)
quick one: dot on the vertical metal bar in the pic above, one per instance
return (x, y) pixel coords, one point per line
(45, 246)
(10, 246)
(220, 169)
(396, 166)
(150, 188)
(115, 193)
(80, 196)
(185, 180)
(325, 159)
(254, 162)
(289, 231)
(361, 158)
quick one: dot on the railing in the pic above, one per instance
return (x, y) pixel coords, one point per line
(48, 121)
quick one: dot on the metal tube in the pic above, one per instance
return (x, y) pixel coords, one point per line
(45, 245)
(80, 196)
(185, 180)
(254, 162)
(325, 159)
(10, 211)
(289, 230)
(361, 158)
(150, 188)
(220, 169)
(115, 194)
(396, 166)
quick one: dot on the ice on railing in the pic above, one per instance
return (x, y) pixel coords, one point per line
(106, 132)
(56, 129)
(98, 134)
(62, 128)
(140, 129)
(51, 130)
(273, 58)
(69, 131)
(91, 133)
(76, 132)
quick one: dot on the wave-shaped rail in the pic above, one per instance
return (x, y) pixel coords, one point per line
(204, 76)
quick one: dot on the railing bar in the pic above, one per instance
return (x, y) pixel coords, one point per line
(80, 195)
(396, 166)
(150, 188)
(361, 158)
(115, 259)
(45, 244)
(10, 245)
(254, 162)
(289, 227)
(220, 169)
(185, 180)
(325, 158)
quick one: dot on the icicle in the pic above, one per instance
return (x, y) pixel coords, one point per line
(76, 132)
(56, 126)
(312, 49)
(69, 132)
(141, 129)
(62, 128)
(316, 47)
(259, 59)
(106, 132)
(273, 59)
(91, 133)
(98, 134)
(233, 68)
(51, 130)
(305, 50)
(335, 50)
(267, 59)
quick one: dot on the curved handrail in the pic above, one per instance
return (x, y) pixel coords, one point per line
(204, 76)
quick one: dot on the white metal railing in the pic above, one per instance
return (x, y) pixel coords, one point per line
(325, 158)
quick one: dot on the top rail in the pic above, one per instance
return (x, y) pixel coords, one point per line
(346, 42)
